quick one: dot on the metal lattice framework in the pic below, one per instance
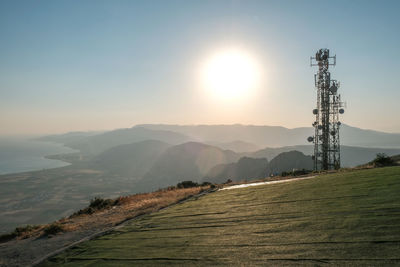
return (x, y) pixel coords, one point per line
(329, 106)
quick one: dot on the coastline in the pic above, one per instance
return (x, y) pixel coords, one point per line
(21, 155)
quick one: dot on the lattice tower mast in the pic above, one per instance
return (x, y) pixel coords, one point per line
(329, 106)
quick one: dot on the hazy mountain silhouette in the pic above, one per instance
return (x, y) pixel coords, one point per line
(237, 146)
(276, 136)
(130, 153)
(239, 138)
(350, 156)
(254, 168)
(287, 161)
(245, 169)
(188, 161)
(261, 136)
(94, 145)
(67, 137)
(131, 160)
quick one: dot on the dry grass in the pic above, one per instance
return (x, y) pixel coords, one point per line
(125, 208)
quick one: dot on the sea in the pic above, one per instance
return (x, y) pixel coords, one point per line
(22, 154)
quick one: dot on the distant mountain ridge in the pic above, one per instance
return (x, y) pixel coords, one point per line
(237, 137)
(131, 160)
(188, 161)
(246, 168)
(350, 155)
(96, 144)
(157, 156)
(237, 146)
(277, 136)
(255, 168)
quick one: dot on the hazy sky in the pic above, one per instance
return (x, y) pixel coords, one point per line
(89, 65)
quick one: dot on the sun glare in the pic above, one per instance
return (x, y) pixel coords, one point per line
(231, 74)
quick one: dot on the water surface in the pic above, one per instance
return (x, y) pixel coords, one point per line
(25, 154)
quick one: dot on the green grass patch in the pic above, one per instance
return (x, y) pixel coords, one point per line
(346, 218)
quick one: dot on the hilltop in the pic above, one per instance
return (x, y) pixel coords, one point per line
(303, 222)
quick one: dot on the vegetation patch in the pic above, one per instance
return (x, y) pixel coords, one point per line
(53, 229)
(97, 204)
(20, 232)
(296, 173)
(187, 184)
(382, 160)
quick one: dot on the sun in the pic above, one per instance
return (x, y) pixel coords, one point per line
(231, 74)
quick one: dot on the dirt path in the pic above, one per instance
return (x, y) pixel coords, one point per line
(264, 183)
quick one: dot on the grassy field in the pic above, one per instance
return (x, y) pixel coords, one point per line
(349, 218)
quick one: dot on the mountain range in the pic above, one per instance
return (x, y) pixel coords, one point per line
(157, 156)
(277, 136)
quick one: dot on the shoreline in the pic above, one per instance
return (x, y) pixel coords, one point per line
(42, 161)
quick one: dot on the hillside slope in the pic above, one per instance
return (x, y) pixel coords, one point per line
(188, 161)
(131, 160)
(349, 218)
(287, 161)
(245, 169)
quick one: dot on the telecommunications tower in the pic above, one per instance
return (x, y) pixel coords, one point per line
(329, 106)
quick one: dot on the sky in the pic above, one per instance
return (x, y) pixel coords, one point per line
(99, 65)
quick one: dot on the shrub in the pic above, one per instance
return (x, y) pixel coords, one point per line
(301, 172)
(19, 231)
(284, 174)
(99, 203)
(24, 231)
(53, 229)
(383, 160)
(187, 184)
(296, 173)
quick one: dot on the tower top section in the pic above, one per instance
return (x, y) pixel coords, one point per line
(323, 59)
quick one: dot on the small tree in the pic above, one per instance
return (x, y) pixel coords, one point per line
(187, 184)
(383, 160)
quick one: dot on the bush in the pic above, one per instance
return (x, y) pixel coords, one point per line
(383, 160)
(53, 229)
(187, 184)
(18, 232)
(228, 181)
(284, 174)
(301, 172)
(99, 203)
(296, 173)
